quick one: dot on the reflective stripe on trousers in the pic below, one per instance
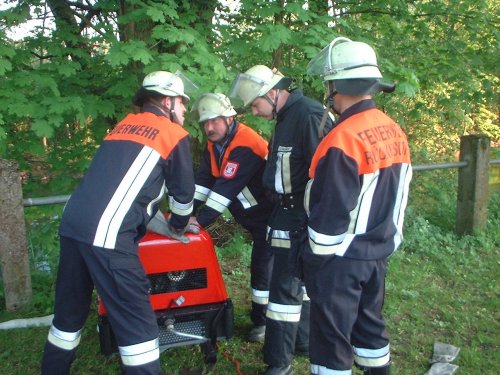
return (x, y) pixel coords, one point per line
(139, 354)
(64, 340)
(284, 316)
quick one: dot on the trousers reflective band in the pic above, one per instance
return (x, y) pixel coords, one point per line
(260, 296)
(322, 370)
(279, 238)
(284, 313)
(372, 357)
(64, 340)
(139, 354)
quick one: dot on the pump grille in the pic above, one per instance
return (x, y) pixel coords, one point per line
(176, 281)
(193, 327)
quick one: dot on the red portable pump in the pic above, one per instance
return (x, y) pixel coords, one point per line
(187, 294)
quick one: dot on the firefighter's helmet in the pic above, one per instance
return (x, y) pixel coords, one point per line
(352, 65)
(345, 59)
(256, 82)
(212, 105)
(166, 84)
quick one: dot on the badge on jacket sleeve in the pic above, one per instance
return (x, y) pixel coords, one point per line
(231, 169)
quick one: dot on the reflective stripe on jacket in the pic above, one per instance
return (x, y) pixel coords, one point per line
(291, 149)
(142, 157)
(232, 179)
(358, 191)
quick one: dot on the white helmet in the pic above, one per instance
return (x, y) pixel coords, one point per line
(345, 59)
(168, 84)
(256, 82)
(212, 105)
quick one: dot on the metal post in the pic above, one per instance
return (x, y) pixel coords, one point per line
(472, 198)
(14, 260)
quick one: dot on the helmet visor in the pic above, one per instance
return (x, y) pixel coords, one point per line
(189, 86)
(245, 89)
(172, 86)
(320, 64)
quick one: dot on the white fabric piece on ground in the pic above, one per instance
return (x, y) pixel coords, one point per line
(440, 368)
(445, 353)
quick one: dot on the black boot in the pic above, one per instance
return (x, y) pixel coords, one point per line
(384, 370)
(272, 370)
(257, 334)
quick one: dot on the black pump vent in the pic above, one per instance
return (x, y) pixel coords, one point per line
(176, 281)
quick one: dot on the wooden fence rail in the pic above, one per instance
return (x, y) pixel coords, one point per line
(471, 217)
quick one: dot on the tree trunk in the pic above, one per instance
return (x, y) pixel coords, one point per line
(278, 53)
(14, 260)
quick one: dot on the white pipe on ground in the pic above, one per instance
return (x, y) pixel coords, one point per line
(41, 321)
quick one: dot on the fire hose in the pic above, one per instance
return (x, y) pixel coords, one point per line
(42, 321)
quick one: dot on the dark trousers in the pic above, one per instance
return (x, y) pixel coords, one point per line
(287, 325)
(261, 262)
(347, 296)
(123, 286)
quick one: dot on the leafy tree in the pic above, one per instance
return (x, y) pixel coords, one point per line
(443, 56)
(66, 84)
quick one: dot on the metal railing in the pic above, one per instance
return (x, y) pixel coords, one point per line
(471, 217)
(58, 199)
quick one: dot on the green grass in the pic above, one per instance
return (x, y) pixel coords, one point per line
(439, 288)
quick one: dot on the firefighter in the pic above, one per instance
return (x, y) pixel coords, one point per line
(355, 199)
(107, 215)
(230, 177)
(294, 140)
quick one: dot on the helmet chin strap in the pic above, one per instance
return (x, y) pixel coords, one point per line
(331, 97)
(173, 116)
(230, 126)
(330, 101)
(170, 113)
(274, 103)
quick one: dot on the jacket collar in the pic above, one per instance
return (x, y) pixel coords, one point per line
(361, 106)
(154, 109)
(295, 96)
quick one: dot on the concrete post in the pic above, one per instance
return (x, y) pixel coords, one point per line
(14, 260)
(472, 195)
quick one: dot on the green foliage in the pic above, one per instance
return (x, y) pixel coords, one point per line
(43, 242)
(439, 288)
(121, 54)
(433, 196)
(64, 86)
(437, 282)
(238, 248)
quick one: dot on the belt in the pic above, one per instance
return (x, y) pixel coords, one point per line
(292, 200)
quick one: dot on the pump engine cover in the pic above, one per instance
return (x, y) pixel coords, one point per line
(187, 293)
